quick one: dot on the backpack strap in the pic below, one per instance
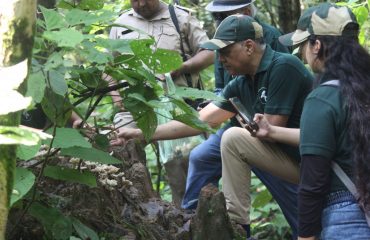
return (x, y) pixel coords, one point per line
(345, 179)
(175, 21)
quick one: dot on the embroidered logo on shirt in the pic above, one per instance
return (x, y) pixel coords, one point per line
(262, 95)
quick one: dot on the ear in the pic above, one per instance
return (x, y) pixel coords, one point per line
(317, 47)
(249, 46)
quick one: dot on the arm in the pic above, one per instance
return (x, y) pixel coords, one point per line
(211, 114)
(271, 128)
(198, 62)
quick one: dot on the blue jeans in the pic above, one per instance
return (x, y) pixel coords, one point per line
(205, 167)
(343, 219)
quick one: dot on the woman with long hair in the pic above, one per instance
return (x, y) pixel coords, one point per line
(335, 125)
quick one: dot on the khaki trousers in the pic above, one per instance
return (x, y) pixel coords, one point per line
(240, 152)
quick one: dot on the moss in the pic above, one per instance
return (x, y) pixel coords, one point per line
(21, 41)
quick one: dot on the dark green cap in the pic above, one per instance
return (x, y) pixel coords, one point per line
(324, 19)
(234, 28)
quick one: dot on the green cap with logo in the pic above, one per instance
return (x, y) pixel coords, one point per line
(234, 28)
(324, 19)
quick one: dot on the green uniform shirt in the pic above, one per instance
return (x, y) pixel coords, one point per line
(270, 36)
(280, 86)
(324, 130)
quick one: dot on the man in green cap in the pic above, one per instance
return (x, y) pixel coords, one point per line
(270, 82)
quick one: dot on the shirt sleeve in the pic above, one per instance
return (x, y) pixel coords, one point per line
(194, 33)
(314, 186)
(284, 88)
(318, 128)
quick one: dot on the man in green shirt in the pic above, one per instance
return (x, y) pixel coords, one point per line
(272, 83)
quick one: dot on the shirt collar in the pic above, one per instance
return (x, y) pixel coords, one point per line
(163, 13)
(266, 60)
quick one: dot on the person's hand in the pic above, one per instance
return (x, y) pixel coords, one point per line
(125, 134)
(263, 125)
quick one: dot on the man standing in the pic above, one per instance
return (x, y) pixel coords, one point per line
(174, 29)
(272, 83)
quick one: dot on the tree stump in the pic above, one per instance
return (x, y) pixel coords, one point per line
(211, 221)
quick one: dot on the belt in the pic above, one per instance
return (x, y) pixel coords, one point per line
(338, 197)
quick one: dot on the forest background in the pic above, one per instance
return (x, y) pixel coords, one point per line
(64, 60)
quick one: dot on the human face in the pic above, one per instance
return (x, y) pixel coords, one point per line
(233, 58)
(145, 8)
(311, 51)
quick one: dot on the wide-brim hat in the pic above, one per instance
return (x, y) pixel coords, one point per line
(227, 5)
(325, 19)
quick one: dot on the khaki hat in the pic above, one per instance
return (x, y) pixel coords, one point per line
(323, 19)
(234, 28)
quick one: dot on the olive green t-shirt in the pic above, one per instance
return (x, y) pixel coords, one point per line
(280, 87)
(324, 130)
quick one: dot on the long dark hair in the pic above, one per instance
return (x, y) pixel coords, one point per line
(345, 59)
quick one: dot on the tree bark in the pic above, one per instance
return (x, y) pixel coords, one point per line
(17, 27)
(289, 13)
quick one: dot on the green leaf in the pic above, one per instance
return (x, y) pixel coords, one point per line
(57, 108)
(17, 135)
(90, 52)
(27, 152)
(70, 175)
(55, 224)
(102, 142)
(194, 93)
(68, 137)
(368, 4)
(262, 199)
(91, 4)
(115, 45)
(148, 123)
(36, 86)
(164, 60)
(193, 121)
(76, 16)
(64, 37)
(83, 231)
(57, 82)
(53, 19)
(90, 154)
(362, 14)
(23, 182)
(54, 61)
(171, 87)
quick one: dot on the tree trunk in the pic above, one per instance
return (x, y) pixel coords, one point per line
(17, 27)
(289, 13)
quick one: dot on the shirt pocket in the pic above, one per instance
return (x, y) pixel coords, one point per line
(167, 37)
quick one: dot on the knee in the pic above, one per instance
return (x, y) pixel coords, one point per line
(234, 135)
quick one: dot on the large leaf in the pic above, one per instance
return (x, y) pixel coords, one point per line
(55, 224)
(160, 60)
(83, 231)
(262, 199)
(90, 154)
(70, 175)
(55, 60)
(64, 37)
(57, 82)
(91, 4)
(362, 14)
(148, 123)
(194, 93)
(18, 135)
(77, 16)
(68, 137)
(53, 20)
(27, 152)
(193, 121)
(23, 182)
(36, 86)
(115, 45)
(57, 108)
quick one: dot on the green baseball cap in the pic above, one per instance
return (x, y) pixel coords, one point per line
(234, 28)
(324, 19)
